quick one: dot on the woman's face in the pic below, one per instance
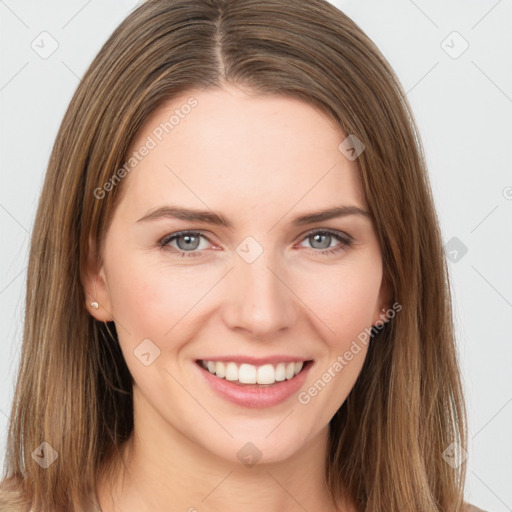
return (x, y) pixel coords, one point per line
(250, 284)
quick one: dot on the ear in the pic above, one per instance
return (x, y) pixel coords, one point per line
(96, 286)
(384, 303)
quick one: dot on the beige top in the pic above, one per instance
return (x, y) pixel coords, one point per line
(469, 508)
(472, 508)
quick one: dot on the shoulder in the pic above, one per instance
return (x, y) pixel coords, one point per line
(471, 508)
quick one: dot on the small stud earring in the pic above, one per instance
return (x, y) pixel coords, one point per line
(94, 305)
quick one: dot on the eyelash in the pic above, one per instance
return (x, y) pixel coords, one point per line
(346, 241)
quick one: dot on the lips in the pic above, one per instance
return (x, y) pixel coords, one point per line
(254, 395)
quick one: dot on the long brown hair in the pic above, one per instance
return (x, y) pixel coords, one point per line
(74, 389)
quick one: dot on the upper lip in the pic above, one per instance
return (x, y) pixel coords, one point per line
(256, 361)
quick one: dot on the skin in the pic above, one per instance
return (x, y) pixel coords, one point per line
(259, 161)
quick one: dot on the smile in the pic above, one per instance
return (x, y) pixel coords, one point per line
(245, 373)
(266, 384)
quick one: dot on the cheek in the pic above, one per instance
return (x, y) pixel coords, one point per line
(343, 297)
(151, 303)
(344, 306)
(150, 298)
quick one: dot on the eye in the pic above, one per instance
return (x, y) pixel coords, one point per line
(188, 243)
(324, 238)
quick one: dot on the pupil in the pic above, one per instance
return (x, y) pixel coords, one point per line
(326, 237)
(189, 241)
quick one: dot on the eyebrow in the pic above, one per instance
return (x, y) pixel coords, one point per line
(209, 217)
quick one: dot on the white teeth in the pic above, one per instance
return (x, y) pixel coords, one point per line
(280, 372)
(220, 370)
(290, 370)
(266, 374)
(250, 374)
(247, 374)
(231, 371)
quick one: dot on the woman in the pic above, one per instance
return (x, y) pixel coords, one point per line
(188, 345)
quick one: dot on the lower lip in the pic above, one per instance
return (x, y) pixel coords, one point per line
(254, 395)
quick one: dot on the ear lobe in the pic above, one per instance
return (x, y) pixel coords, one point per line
(97, 295)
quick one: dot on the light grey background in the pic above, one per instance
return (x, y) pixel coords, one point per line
(462, 104)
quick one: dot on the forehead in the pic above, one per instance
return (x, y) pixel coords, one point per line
(235, 147)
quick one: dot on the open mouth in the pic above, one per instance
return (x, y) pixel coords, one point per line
(245, 374)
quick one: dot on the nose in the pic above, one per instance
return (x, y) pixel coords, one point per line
(258, 299)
